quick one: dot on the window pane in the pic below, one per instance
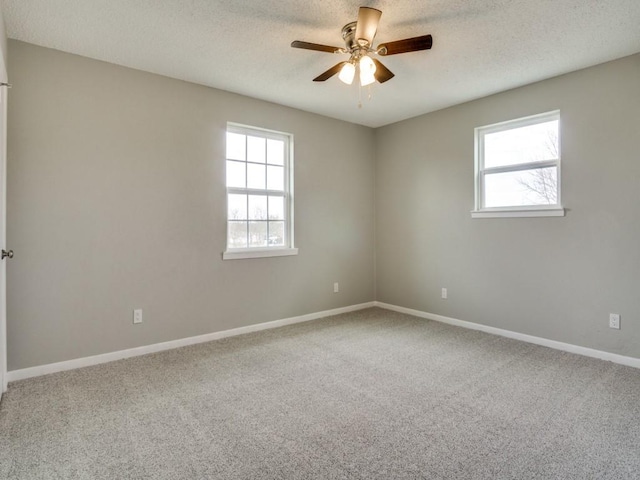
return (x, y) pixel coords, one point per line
(527, 187)
(275, 152)
(256, 149)
(276, 233)
(237, 234)
(257, 207)
(275, 178)
(235, 146)
(256, 176)
(257, 234)
(236, 174)
(237, 207)
(258, 182)
(533, 143)
(276, 208)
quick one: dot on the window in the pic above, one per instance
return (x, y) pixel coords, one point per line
(259, 193)
(518, 168)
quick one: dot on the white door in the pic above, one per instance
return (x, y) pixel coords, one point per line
(3, 239)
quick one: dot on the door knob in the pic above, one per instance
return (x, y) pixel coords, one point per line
(7, 254)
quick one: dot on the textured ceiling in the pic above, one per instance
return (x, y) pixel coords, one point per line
(480, 46)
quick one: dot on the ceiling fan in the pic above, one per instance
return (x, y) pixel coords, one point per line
(358, 37)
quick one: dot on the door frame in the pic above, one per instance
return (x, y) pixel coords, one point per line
(3, 227)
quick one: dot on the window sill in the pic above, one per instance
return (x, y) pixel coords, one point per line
(258, 253)
(530, 212)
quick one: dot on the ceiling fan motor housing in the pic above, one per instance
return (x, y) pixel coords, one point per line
(349, 35)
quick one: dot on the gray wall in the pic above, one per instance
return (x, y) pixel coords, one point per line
(3, 47)
(556, 278)
(116, 201)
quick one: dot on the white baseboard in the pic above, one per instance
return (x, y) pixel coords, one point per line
(566, 347)
(24, 373)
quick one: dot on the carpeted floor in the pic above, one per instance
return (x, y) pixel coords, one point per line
(367, 395)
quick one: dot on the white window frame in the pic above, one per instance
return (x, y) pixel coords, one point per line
(268, 251)
(555, 210)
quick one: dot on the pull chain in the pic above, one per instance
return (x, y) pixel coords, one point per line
(369, 94)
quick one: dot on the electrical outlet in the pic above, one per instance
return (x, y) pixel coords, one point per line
(137, 315)
(444, 293)
(614, 321)
(336, 287)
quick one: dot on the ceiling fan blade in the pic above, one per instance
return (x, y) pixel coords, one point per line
(329, 73)
(382, 73)
(407, 45)
(315, 46)
(367, 24)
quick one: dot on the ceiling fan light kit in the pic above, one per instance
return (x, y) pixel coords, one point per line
(347, 72)
(367, 70)
(358, 37)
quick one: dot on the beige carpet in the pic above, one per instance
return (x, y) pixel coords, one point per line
(368, 395)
